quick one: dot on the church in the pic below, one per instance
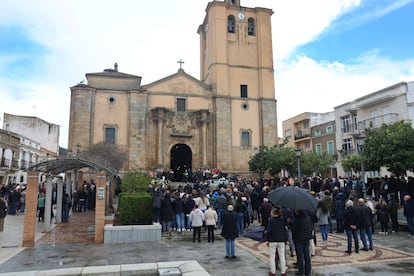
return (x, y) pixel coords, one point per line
(183, 123)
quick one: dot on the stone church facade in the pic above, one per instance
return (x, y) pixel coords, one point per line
(180, 122)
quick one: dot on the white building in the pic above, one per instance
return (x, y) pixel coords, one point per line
(386, 106)
(36, 129)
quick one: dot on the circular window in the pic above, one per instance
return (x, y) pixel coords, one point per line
(111, 99)
(245, 106)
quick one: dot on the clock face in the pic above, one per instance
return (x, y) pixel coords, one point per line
(240, 15)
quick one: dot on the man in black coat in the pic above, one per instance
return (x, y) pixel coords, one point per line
(351, 222)
(230, 231)
(302, 233)
(365, 224)
(276, 241)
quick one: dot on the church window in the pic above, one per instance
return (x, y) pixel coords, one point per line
(245, 106)
(250, 26)
(231, 26)
(111, 99)
(181, 105)
(245, 138)
(110, 135)
(243, 91)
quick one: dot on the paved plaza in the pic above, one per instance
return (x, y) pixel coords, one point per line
(68, 246)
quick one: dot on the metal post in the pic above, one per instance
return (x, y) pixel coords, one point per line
(298, 153)
(364, 188)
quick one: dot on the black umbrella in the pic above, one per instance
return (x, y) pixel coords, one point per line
(293, 197)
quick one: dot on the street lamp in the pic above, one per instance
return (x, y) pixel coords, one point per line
(78, 148)
(360, 146)
(298, 153)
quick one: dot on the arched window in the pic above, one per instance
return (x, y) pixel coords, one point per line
(231, 26)
(250, 26)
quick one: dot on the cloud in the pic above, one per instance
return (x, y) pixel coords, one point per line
(306, 85)
(370, 10)
(78, 37)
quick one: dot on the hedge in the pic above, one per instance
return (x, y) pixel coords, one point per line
(135, 208)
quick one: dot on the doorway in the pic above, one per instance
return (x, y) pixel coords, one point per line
(180, 160)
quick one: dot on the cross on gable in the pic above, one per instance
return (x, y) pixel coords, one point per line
(181, 63)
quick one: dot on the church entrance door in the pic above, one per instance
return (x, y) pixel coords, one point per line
(181, 158)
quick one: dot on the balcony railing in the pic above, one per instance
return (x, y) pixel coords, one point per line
(351, 150)
(304, 133)
(378, 121)
(5, 162)
(349, 128)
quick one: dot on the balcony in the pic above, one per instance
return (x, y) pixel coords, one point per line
(378, 121)
(350, 150)
(304, 133)
(351, 128)
(5, 163)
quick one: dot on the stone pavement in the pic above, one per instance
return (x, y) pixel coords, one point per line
(52, 251)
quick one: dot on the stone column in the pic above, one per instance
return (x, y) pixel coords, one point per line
(68, 185)
(203, 120)
(159, 142)
(59, 199)
(48, 205)
(100, 208)
(29, 227)
(159, 118)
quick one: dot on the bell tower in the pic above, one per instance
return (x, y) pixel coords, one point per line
(236, 60)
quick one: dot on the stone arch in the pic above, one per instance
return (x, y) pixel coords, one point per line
(52, 168)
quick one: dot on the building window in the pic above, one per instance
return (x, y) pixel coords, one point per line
(181, 105)
(346, 127)
(317, 132)
(231, 26)
(307, 145)
(243, 91)
(110, 135)
(330, 148)
(306, 125)
(111, 99)
(250, 26)
(347, 146)
(355, 118)
(245, 138)
(329, 130)
(288, 133)
(318, 148)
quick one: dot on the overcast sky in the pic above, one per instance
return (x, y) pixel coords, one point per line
(326, 52)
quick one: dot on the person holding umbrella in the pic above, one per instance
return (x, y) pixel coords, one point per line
(302, 233)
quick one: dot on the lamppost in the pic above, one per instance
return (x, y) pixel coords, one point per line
(298, 153)
(360, 145)
(78, 148)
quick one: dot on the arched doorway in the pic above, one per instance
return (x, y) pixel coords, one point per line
(180, 160)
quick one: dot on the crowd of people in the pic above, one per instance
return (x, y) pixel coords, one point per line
(234, 206)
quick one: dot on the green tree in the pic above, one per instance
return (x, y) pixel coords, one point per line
(135, 182)
(313, 162)
(258, 163)
(391, 146)
(281, 158)
(351, 163)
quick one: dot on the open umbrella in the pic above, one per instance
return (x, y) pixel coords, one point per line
(293, 197)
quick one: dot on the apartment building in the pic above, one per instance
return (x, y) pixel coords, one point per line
(386, 106)
(298, 129)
